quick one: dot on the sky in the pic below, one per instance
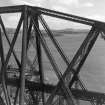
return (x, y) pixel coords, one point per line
(94, 9)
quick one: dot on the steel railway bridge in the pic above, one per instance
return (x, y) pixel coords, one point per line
(29, 92)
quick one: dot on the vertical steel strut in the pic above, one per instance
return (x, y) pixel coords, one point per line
(39, 54)
(23, 57)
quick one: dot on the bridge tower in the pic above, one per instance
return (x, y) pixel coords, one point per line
(24, 82)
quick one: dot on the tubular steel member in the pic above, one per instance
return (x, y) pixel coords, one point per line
(64, 16)
(24, 56)
(11, 9)
(68, 17)
(39, 54)
(29, 91)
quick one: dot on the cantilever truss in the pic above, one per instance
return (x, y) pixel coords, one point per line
(37, 92)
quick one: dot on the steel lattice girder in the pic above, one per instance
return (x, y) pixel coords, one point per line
(73, 67)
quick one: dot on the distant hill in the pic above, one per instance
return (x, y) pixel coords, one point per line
(72, 31)
(55, 32)
(10, 31)
(67, 31)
